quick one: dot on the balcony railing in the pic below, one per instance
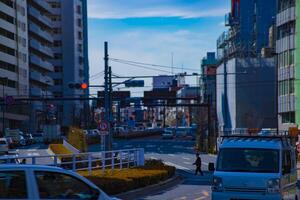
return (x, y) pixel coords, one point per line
(37, 30)
(41, 63)
(39, 47)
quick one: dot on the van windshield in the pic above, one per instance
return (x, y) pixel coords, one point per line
(248, 160)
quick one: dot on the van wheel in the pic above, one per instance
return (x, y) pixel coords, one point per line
(296, 198)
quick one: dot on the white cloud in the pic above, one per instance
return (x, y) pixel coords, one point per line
(133, 9)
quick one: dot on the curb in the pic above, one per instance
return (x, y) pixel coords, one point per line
(140, 192)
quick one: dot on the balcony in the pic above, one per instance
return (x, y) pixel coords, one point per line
(286, 103)
(285, 44)
(44, 5)
(41, 63)
(34, 75)
(41, 48)
(39, 16)
(43, 34)
(286, 16)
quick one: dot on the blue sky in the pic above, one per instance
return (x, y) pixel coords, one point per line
(151, 30)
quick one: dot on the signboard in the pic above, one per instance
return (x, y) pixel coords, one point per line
(9, 100)
(293, 132)
(103, 128)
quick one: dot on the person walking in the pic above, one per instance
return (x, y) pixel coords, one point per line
(198, 165)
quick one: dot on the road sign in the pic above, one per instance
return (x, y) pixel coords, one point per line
(103, 128)
(9, 100)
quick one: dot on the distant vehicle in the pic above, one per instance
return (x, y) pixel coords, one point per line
(46, 183)
(255, 167)
(119, 130)
(38, 137)
(4, 146)
(167, 134)
(28, 138)
(16, 136)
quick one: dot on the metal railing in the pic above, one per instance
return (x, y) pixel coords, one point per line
(118, 159)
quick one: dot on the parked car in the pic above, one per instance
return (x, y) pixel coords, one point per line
(4, 146)
(46, 183)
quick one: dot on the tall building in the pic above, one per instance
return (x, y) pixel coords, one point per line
(70, 61)
(287, 49)
(246, 81)
(40, 57)
(14, 70)
(208, 92)
(249, 22)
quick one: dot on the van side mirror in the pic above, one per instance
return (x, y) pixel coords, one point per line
(211, 167)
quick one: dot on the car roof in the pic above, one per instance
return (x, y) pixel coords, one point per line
(263, 143)
(36, 167)
(2, 139)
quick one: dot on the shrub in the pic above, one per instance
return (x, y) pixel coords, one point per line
(118, 181)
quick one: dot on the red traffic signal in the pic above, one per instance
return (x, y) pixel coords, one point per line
(78, 86)
(84, 86)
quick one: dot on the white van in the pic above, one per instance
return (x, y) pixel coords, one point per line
(255, 167)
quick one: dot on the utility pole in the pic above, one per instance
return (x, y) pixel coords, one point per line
(4, 81)
(106, 93)
(110, 109)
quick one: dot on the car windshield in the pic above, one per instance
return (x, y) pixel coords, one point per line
(2, 142)
(248, 160)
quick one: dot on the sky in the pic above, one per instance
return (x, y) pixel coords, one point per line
(150, 31)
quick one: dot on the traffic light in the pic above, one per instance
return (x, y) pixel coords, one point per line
(78, 86)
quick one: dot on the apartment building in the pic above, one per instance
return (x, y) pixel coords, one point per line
(14, 70)
(40, 57)
(70, 61)
(286, 49)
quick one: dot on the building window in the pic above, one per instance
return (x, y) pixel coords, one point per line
(80, 60)
(55, 4)
(7, 34)
(78, 9)
(57, 30)
(288, 117)
(58, 81)
(79, 22)
(58, 56)
(80, 47)
(9, 3)
(7, 50)
(8, 66)
(58, 69)
(57, 43)
(7, 18)
(80, 35)
(56, 18)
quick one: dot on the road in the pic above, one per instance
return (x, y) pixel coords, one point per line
(178, 153)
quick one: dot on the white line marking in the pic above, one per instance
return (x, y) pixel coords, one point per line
(153, 158)
(188, 163)
(204, 163)
(171, 155)
(186, 158)
(177, 166)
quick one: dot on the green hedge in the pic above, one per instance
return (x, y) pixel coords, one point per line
(118, 181)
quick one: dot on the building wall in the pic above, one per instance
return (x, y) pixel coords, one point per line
(14, 60)
(287, 67)
(297, 63)
(246, 95)
(40, 56)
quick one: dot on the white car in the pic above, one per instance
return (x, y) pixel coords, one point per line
(44, 182)
(3, 146)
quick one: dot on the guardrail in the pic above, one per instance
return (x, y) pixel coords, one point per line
(118, 159)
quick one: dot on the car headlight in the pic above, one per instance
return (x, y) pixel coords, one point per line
(217, 185)
(273, 185)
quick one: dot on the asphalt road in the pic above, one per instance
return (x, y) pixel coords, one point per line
(178, 153)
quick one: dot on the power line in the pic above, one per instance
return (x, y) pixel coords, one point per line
(153, 65)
